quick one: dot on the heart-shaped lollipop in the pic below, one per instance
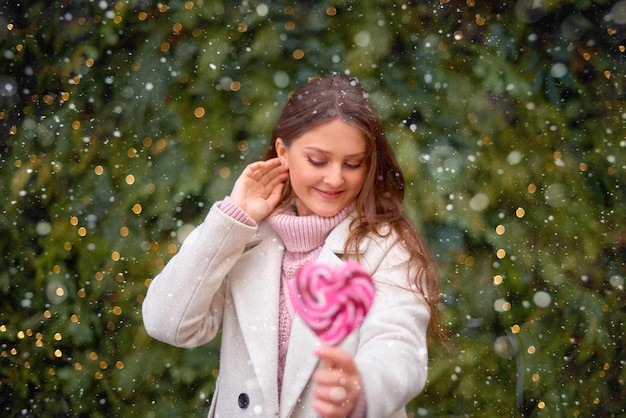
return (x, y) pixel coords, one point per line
(333, 302)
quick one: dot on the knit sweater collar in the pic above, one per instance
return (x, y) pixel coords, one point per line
(305, 233)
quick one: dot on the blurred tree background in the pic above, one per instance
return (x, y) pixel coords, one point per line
(121, 122)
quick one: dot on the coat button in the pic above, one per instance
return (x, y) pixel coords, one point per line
(243, 401)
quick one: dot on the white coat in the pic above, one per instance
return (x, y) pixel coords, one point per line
(226, 277)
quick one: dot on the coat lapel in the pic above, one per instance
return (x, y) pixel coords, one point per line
(256, 301)
(299, 365)
(337, 238)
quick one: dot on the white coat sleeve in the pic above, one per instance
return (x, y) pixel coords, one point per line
(392, 355)
(184, 303)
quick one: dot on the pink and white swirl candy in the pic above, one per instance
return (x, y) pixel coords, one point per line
(333, 302)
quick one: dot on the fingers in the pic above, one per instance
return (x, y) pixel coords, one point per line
(258, 189)
(275, 195)
(338, 383)
(335, 357)
(268, 172)
(335, 400)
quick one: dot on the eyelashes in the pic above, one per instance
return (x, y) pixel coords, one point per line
(315, 162)
(354, 166)
(318, 163)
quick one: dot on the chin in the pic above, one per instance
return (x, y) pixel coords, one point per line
(327, 212)
(322, 209)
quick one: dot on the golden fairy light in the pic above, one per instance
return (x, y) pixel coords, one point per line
(199, 112)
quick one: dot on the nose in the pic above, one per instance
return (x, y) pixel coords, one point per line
(334, 176)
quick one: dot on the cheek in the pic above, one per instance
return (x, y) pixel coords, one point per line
(300, 177)
(357, 180)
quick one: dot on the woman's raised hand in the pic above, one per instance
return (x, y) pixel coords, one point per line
(257, 190)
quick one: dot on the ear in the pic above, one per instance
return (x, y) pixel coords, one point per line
(281, 152)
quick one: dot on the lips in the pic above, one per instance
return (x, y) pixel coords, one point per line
(329, 194)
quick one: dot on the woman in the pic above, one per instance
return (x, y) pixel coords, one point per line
(330, 190)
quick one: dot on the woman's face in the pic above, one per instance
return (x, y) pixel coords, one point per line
(326, 167)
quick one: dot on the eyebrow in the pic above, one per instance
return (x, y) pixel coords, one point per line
(321, 151)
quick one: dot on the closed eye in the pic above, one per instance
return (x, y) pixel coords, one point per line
(319, 163)
(315, 162)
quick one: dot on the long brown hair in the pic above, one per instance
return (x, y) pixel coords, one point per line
(379, 202)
